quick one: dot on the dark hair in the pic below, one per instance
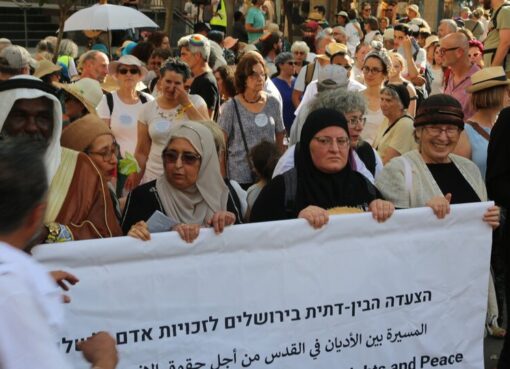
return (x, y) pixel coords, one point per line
(216, 36)
(156, 38)
(245, 69)
(177, 66)
(352, 13)
(238, 16)
(23, 180)
(264, 157)
(320, 8)
(266, 45)
(227, 75)
(161, 53)
(372, 23)
(143, 51)
(201, 27)
(402, 28)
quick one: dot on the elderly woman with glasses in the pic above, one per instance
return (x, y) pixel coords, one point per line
(323, 178)
(432, 175)
(300, 51)
(191, 193)
(251, 117)
(395, 135)
(91, 135)
(284, 82)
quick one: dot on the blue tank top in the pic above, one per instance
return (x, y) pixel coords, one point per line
(478, 147)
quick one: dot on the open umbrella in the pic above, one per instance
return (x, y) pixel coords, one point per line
(107, 17)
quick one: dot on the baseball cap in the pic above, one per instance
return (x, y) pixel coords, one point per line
(16, 57)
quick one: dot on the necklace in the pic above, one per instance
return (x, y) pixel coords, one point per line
(259, 97)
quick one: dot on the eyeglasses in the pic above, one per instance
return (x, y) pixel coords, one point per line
(130, 70)
(368, 70)
(187, 158)
(341, 142)
(443, 51)
(451, 131)
(291, 63)
(257, 75)
(107, 154)
(299, 52)
(355, 121)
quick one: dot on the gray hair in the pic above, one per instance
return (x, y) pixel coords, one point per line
(390, 91)
(205, 50)
(339, 99)
(85, 57)
(68, 47)
(340, 29)
(300, 46)
(450, 23)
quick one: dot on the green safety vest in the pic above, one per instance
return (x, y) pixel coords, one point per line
(220, 16)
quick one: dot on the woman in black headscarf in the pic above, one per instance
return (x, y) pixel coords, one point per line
(322, 179)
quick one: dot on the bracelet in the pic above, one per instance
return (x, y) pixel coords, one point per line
(184, 108)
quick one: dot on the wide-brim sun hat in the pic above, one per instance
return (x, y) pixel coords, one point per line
(430, 40)
(487, 78)
(45, 67)
(87, 90)
(127, 60)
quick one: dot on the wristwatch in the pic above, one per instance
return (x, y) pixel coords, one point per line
(54, 232)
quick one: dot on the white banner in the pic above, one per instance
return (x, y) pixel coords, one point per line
(408, 293)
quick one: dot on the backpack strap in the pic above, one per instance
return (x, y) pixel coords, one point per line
(290, 180)
(109, 102)
(142, 97)
(310, 70)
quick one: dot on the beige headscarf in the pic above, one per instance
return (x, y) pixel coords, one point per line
(197, 204)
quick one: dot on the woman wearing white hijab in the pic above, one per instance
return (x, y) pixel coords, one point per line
(191, 192)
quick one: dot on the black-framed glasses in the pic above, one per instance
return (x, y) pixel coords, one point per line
(130, 70)
(374, 70)
(443, 51)
(187, 158)
(107, 154)
(291, 63)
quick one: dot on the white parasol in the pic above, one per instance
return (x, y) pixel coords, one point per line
(107, 17)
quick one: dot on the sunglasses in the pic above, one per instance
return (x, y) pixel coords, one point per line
(130, 70)
(187, 158)
(291, 63)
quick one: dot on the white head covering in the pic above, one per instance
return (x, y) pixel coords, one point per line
(10, 96)
(197, 204)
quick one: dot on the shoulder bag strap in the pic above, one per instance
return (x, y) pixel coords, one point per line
(394, 124)
(479, 130)
(242, 134)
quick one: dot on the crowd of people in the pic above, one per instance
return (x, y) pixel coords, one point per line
(371, 114)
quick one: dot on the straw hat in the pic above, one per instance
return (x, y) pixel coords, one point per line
(229, 42)
(127, 60)
(82, 132)
(334, 48)
(487, 78)
(430, 40)
(87, 90)
(414, 8)
(110, 84)
(45, 67)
